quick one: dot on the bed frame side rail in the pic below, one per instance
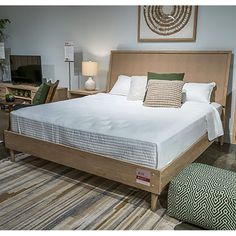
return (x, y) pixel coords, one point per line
(120, 171)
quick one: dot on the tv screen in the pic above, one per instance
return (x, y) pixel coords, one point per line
(26, 69)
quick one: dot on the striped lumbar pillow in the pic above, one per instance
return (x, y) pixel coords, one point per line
(163, 93)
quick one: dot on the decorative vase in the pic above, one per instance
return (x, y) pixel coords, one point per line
(10, 97)
(90, 84)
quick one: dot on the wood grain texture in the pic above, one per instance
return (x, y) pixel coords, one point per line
(198, 66)
(60, 94)
(185, 159)
(12, 155)
(154, 201)
(121, 171)
(234, 128)
(82, 92)
(41, 195)
(51, 92)
(223, 117)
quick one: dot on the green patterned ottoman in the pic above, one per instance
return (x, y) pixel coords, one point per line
(205, 196)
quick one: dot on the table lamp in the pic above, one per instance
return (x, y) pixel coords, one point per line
(89, 68)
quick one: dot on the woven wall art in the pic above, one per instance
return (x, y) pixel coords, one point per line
(167, 23)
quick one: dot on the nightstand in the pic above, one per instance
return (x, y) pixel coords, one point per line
(82, 92)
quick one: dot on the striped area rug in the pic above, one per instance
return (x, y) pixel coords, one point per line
(41, 195)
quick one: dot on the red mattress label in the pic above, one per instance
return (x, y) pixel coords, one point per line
(143, 177)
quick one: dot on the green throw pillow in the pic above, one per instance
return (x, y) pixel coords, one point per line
(169, 76)
(41, 94)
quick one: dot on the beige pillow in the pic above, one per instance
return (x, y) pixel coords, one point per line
(164, 93)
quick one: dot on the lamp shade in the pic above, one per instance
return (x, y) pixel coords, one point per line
(89, 68)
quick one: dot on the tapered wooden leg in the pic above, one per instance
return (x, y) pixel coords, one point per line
(12, 154)
(154, 201)
(221, 140)
(223, 123)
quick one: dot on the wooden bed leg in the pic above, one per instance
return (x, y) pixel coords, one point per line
(154, 201)
(12, 154)
(221, 140)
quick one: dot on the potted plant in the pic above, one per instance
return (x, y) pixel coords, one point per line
(3, 24)
(10, 97)
(3, 37)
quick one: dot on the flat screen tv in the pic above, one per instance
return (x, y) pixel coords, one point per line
(26, 69)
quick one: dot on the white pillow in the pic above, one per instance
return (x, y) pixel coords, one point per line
(137, 88)
(199, 92)
(122, 86)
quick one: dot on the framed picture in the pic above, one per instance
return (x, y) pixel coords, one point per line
(167, 23)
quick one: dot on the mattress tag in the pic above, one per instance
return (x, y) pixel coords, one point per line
(143, 177)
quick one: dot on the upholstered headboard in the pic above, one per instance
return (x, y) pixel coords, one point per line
(198, 66)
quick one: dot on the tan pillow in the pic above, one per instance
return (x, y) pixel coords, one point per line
(164, 93)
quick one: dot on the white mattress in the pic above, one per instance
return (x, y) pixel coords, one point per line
(111, 125)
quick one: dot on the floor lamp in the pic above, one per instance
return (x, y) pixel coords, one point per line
(2, 57)
(69, 62)
(69, 57)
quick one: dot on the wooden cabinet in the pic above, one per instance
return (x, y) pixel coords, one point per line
(27, 92)
(3, 91)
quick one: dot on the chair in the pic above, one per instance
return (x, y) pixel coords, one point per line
(49, 96)
(51, 92)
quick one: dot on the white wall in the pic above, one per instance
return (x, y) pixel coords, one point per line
(96, 30)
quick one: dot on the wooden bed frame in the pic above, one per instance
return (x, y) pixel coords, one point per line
(198, 66)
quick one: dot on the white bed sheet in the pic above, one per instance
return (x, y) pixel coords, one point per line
(113, 126)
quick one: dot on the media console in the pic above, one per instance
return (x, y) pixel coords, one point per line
(27, 92)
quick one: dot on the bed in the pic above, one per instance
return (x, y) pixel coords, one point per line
(112, 146)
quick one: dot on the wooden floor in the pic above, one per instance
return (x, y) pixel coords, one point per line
(37, 194)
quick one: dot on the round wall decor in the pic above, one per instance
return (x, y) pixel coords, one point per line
(166, 20)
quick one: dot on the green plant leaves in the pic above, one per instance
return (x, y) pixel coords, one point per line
(3, 24)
